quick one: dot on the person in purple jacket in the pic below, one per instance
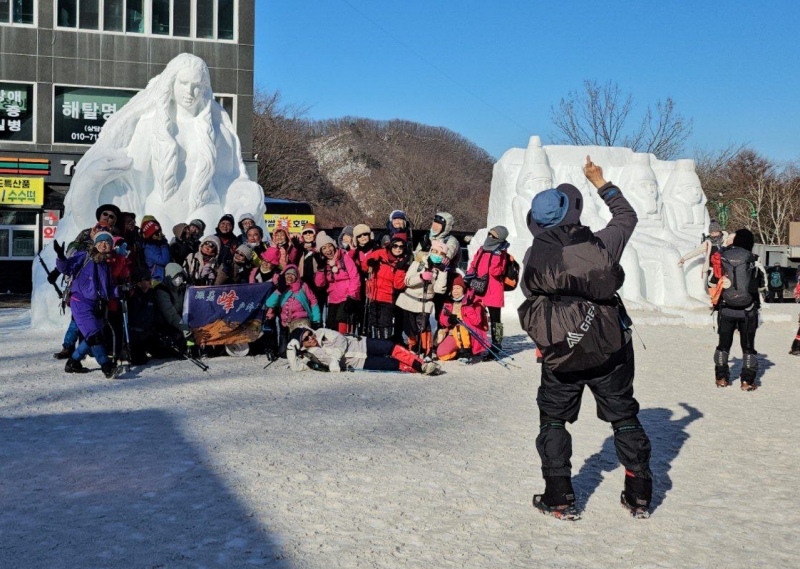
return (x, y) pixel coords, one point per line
(92, 288)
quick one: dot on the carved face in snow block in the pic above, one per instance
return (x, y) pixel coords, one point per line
(684, 185)
(191, 88)
(535, 175)
(641, 186)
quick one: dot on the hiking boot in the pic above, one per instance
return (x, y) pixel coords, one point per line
(431, 368)
(722, 382)
(558, 499)
(637, 494)
(110, 370)
(748, 386)
(65, 353)
(74, 366)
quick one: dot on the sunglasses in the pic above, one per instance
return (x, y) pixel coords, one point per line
(362, 235)
(307, 337)
(108, 214)
(308, 232)
(398, 246)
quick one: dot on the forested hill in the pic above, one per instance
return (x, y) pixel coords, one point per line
(355, 170)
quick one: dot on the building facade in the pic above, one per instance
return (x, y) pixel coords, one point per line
(67, 65)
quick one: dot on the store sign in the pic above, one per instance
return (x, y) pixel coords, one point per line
(49, 225)
(79, 113)
(293, 223)
(16, 112)
(22, 191)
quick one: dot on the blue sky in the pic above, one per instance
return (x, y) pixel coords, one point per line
(491, 69)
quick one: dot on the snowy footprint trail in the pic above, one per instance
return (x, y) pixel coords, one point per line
(248, 467)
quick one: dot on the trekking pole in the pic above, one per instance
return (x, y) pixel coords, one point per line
(178, 351)
(489, 346)
(127, 338)
(50, 276)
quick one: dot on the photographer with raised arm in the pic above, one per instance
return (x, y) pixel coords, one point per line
(576, 318)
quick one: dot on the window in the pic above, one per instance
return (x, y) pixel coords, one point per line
(16, 11)
(18, 234)
(200, 19)
(227, 102)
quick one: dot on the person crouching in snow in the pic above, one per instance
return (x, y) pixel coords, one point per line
(425, 277)
(386, 273)
(92, 288)
(457, 341)
(327, 349)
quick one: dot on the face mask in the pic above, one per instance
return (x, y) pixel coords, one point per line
(177, 281)
(435, 259)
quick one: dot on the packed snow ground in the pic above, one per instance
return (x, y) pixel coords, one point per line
(242, 466)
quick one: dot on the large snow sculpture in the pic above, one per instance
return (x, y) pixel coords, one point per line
(171, 152)
(667, 198)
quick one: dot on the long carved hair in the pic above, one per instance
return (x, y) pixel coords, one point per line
(158, 95)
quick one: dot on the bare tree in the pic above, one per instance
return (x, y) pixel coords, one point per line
(601, 115)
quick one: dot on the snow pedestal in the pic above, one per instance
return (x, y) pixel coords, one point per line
(170, 152)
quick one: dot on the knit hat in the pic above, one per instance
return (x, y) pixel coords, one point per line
(323, 239)
(744, 238)
(398, 238)
(106, 207)
(172, 270)
(360, 230)
(227, 217)
(213, 239)
(298, 333)
(439, 246)
(245, 251)
(549, 207)
(103, 236)
(714, 227)
(458, 281)
(177, 231)
(290, 269)
(148, 218)
(397, 214)
(150, 228)
(199, 224)
(310, 227)
(271, 255)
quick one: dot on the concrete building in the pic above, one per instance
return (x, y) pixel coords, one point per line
(68, 65)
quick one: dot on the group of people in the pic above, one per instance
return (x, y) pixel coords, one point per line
(126, 282)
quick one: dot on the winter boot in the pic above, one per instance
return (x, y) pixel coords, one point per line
(74, 366)
(111, 371)
(637, 494)
(749, 372)
(721, 370)
(558, 499)
(497, 334)
(795, 351)
(65, 353)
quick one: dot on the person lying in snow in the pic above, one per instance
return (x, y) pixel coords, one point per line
(326, 349)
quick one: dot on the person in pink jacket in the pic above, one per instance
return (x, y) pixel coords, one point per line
(491, 260)
(458, 341)
(339, 276)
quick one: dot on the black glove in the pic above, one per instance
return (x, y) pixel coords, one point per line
(59, 249)
(53, 276)
(404, 263)
(350, 305)
(316, 325)
(373, 263)
(452, 320)
(282, 286)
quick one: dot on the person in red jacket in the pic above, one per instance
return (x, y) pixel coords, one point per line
(385, 268)
(491, 260)
(458, 342)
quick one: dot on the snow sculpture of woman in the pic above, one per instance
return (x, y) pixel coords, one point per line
(170, 152)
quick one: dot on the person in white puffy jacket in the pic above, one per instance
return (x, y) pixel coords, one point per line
(327, 349)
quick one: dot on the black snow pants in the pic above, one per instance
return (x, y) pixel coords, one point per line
(746, 323)
(559, 400)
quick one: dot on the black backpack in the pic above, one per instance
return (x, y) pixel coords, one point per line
(572, 311)
(739, 266)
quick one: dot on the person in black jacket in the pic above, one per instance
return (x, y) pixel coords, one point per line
(738, 308)
(601, 359)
